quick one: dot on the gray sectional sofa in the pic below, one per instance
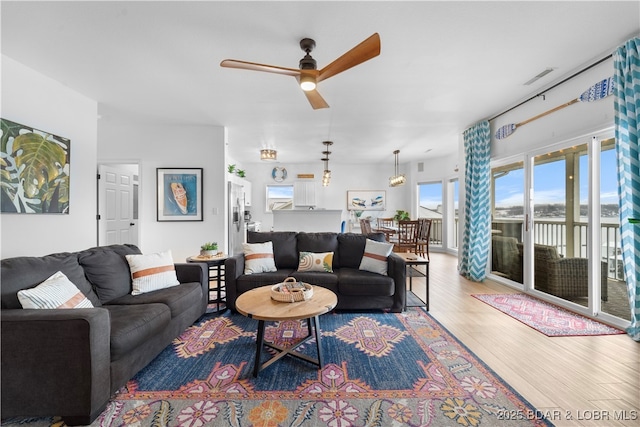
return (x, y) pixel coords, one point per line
(356, 289)
(69, 362)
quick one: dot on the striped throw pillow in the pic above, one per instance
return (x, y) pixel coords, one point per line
(258, 258)
(375, 256)
(312, 261)
(152, 272)
(55, 292)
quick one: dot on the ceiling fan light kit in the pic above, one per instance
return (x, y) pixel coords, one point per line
(268, 154)
(307, 83)
(308, 75)
(397, 179)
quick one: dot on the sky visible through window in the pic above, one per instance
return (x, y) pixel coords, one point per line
(549, 183)
(431, 195)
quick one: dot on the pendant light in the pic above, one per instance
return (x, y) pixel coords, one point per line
(397, 179)
(326, 175)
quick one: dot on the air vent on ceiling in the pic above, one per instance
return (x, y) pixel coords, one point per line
(539, 76)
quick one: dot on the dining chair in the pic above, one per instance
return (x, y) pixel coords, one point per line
(424, 234)
(365, 226)
(386, 226)
(407, 236)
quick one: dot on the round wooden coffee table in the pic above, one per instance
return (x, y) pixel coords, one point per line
(257, 304)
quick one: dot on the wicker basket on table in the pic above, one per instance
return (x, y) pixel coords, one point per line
(291, 291)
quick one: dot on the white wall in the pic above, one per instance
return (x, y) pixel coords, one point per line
(32, 99)
(166, 146)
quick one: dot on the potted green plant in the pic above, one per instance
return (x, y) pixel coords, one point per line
(209, 249)
(401, 216)
(231, 168)
(241, 173)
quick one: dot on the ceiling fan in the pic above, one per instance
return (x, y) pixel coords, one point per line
(307, 75)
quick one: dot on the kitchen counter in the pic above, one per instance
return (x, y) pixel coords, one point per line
(316, 220)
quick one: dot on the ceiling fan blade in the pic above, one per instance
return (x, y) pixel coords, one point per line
(370, 48)
(315, 99)
(253, 66)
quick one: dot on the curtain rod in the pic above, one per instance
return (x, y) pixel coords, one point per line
(554, 86)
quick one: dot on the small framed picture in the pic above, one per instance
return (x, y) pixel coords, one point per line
(179, 194)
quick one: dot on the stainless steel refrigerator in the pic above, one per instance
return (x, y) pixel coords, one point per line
(237, 225)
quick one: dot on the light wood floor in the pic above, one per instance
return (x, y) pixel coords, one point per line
(592, 380)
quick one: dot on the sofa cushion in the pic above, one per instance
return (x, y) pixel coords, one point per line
(285, 252)
(351, 248)
(352, 281)
(374, 258)
(55, 292)
(326, 280)
(312, 261)
(108, 270)
(178, 298)
(27, 272)
(258, 257)
(134, 325)
(150, 272)
(251, 281)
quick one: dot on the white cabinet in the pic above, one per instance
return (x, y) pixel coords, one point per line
(304, 193)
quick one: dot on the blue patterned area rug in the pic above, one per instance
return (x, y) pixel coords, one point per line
(381, 369)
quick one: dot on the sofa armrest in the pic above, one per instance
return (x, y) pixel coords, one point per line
(55, 362)
(192, 272)
(233, 268)
(197, 272)
(396, 269)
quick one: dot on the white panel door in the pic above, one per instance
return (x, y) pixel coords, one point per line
(116, 223)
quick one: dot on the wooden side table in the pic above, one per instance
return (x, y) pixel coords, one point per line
(257, 304)
(216, 274)
(411, 260)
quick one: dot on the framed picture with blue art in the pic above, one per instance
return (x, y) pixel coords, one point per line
(35, 170)
(366, 200)
(179, 194)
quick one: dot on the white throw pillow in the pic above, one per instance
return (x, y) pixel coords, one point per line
(375, 256)
(55, 292)
(316, 261)
(258, 258)
(152, 272)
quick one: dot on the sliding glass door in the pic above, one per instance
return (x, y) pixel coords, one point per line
(614, 298)
(507, 225)
(560, 206)
(555, 226)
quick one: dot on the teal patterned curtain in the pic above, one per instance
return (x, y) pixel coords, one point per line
(477, 212)
(626, 61)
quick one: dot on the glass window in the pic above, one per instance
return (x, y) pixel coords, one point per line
(279, 197)
(430, 206)
(453, 215)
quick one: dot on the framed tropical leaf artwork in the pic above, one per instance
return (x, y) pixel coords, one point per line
(35, 169)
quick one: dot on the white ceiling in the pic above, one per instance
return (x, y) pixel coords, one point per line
(442, 67)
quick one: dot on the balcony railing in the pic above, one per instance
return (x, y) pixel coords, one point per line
(554, 233)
